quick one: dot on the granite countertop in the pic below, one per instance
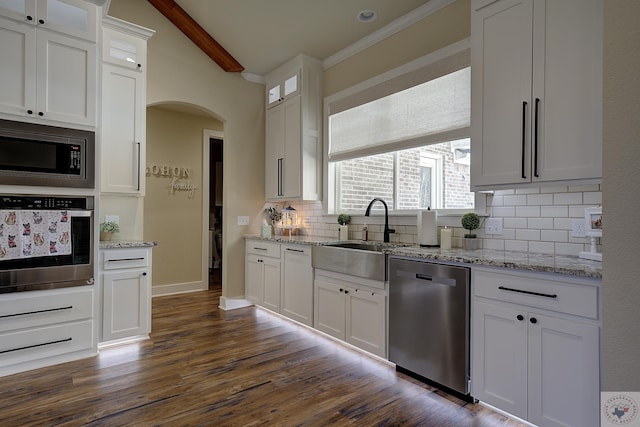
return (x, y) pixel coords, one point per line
(559, 264)
(115, 244)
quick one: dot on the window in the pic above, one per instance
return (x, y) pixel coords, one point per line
(405, 140)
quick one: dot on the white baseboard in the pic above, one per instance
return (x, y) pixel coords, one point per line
(233, 303)
(178, 288)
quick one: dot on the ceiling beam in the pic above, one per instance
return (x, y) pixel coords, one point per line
(185, 23)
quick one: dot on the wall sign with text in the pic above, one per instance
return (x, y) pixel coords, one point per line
(180, 178)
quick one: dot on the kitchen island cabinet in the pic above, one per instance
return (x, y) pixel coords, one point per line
(535, 347)
(293, 146)
(536, 91)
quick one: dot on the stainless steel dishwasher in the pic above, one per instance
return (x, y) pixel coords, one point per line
(429, 321)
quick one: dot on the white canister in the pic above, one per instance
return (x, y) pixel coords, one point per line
(343, 232)
(445, 238)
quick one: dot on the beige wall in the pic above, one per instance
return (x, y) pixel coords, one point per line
(447, 26)
(174, 219)
(621, 205)
(179, 72)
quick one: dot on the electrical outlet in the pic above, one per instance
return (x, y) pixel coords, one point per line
(577, 228)
(493, 226)
(243, 220)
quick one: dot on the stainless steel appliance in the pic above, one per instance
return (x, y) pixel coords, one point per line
(32, 154)
(429, 321)
(59, 256)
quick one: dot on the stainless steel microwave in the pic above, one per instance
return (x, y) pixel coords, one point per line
(49, 156)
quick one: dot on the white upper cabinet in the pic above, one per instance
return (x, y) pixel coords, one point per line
(124, 107)
(293, 147)
(51, 46)
(76, 18)
(536, 90)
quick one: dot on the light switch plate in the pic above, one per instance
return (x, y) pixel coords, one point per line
(493, 226)
(112, 218)
(243, 220)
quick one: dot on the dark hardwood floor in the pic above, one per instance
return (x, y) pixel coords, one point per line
(206, 367)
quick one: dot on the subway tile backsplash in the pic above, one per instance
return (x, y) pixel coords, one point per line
(536, 220)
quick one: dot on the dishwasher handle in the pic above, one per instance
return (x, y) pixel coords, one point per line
(447, 281)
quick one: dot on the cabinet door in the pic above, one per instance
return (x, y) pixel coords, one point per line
(564, 386)
(501, 43)
(329, 309)
(66, 79)
(499, 357)
(18, 82)
(297, 284)
(123, 49)
(126, 304)
(76, 18)
(254, 278)
(20, 10)
(366, 324)
(123, 130)
(271, 284)
(567, 86)
(283, 150)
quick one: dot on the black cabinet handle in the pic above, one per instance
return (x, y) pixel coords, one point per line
(46, 310)
(139, 164)
(144, 274)
(295, 250)
(35, 345)
(535, 140)
(29, 18)
(29, 111)
(346, 291)
(40, 21)
(503, 288)
(520, 317)
(524, 137)
(280, 160)
(260, 249)
(533, 320)
(341, 290)
(125, 259)
(40, 113)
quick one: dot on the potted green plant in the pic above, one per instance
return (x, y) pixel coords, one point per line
(471, 222)
(343, 229)
(107, 229)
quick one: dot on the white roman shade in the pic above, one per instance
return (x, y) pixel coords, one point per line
(428, 105)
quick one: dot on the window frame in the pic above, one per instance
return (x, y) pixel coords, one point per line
(331, 188)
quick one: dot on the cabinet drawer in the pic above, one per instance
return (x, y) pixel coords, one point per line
(124, 258)
(258, 247)
(47, 341)
(18, 311)
(561, 296)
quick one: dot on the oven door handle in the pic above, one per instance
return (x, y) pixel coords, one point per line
(82, 214)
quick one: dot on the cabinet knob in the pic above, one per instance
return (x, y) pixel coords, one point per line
(341, 290)
(29, 111)
(533, 320)
(139, 65)
(346, 291)
(144, 274)
(40, 21)
(29, 18)
(520, 317)
(40, 113)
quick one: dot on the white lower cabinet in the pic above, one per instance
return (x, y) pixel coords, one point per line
(41, 328)
(532, 362)
(126, 294)
(262, 274)
(297, 283)
(351, 311)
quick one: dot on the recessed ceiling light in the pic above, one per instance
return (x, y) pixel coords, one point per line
(367, 15)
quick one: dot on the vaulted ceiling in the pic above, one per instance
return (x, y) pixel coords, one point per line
(262, 34)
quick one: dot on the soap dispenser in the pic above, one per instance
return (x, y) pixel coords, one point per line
(365, 233)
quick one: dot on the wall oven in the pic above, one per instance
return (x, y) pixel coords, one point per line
(33, 154)
(46, 242)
